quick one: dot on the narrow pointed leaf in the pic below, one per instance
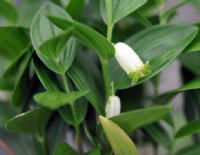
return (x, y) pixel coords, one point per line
(53, 100)
(190, 150)
(87, 36)
(119, 140)
(160, 135)
(53, 48)
(166, 97)
(33, 121)
(189, 129)
(129, 121)
(120, 8)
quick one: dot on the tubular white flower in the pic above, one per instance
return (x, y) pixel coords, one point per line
(113, 106)
(130, 62)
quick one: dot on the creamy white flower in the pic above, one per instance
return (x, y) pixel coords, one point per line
(113, 106)
(130, 62)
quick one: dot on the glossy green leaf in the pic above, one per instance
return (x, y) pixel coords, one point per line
(75, 5)
(87, 36)
(54, 47)
(46, 77)
(159, 45)
(20, 90)
(13, 43)
(55, 133)
(33, 121)
(26, 11)
(129, 121)
(189, 129)
(190, 150)
(166, 97)
(20, 63)
(194, 46)
(6, 113)
(191, 62)
(160, 135)
(42, 30)
(120, 8)
(53, 100)
(63, 149)
(8, 11)
(21, 75)
(76, 115)
(81, 74)
(119, 140)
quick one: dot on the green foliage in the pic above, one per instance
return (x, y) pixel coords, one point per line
(55, 53)
(113, 133)
(53, 100)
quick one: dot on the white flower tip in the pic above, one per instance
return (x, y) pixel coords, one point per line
(130, 62)
(113, 106)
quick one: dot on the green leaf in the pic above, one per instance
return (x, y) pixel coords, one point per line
(160, 135)
(26, 11)
(166, 97)
(194, 46)
(42, 30)
(83, 75)
(13, 44)
(54, 47)
(189, 129)
(6, 113)
(53, 100)
(76, 115)
(129, 121)
(20, 90)
(8, 11)
(21, 75)
(120, 8)
(63, 149)
(75, 5)
(191, 62)
(159, 45)
(190, 150)
(33, 121)
(87, 36)
(46, 77)
(119, 140)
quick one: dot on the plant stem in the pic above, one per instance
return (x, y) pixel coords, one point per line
(77, 126)
(41, 145)
(156, 83)
(104, 63)
(160, 4)
(106, 77)
(109, 19)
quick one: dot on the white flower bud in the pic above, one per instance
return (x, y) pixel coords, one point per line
(130, 62)
(113, 106)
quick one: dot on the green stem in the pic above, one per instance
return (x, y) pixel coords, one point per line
(109, 18)
(156, 83)
(104, 63)
(41, 145)
(77, 127)
(160, 5)
(106, 77)
(78, 139)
